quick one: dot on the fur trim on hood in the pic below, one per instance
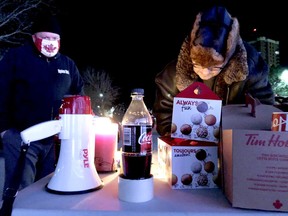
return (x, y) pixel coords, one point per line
(233, 55)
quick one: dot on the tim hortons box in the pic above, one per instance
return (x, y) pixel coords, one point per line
(255, 159)
(196, 114)
(188, 164)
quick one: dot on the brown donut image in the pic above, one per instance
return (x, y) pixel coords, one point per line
(209, 166)
(201, 154)
(186, 179)
(173, 128)
(210, 119)
(186, 129)
(216, 132)
(174, 179)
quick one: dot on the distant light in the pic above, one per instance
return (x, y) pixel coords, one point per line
(101, 95)
(254, 30)
(284, 76)
(277, 52)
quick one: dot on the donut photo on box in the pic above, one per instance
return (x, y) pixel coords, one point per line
(196, 116)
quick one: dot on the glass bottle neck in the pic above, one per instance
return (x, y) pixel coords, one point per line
(137, 97)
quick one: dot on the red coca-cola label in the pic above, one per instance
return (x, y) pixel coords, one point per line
(137, 139)
(145, 138)
(145, 141)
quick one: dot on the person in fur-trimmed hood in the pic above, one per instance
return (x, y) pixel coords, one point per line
(214, 54)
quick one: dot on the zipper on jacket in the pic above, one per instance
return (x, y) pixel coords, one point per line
(227, 94)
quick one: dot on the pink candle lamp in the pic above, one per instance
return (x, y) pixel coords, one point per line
(106, 139)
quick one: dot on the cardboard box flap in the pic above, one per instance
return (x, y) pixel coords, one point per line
(240, 117)
(198, 90)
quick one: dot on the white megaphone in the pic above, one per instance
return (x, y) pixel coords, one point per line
(75, 170)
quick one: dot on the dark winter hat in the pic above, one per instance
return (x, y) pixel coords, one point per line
(47, 23)
(214, 37)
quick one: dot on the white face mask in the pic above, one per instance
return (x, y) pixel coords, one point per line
(49, 48)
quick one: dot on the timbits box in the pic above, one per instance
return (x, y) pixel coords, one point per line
(196, 114)
(188, 164)
(254, 159)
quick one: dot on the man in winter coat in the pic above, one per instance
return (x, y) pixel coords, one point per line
(214, 54)
(34, 78)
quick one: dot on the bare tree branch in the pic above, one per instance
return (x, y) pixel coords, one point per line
(16, 18)
(104, 96)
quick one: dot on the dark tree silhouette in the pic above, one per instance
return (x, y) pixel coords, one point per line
(104, 96)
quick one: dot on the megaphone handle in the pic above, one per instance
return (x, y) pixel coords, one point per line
(41, 131)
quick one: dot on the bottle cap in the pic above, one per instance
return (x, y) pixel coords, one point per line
(137, 91)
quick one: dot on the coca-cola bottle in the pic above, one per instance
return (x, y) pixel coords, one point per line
(137, 138)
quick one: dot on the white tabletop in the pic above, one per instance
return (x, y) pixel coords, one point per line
(36, 201)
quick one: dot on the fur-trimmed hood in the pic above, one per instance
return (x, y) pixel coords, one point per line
(208, 49)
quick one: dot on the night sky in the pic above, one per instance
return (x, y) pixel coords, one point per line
(134, 41)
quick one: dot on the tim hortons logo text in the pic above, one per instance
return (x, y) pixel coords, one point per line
(273, 141)
(186, 104)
